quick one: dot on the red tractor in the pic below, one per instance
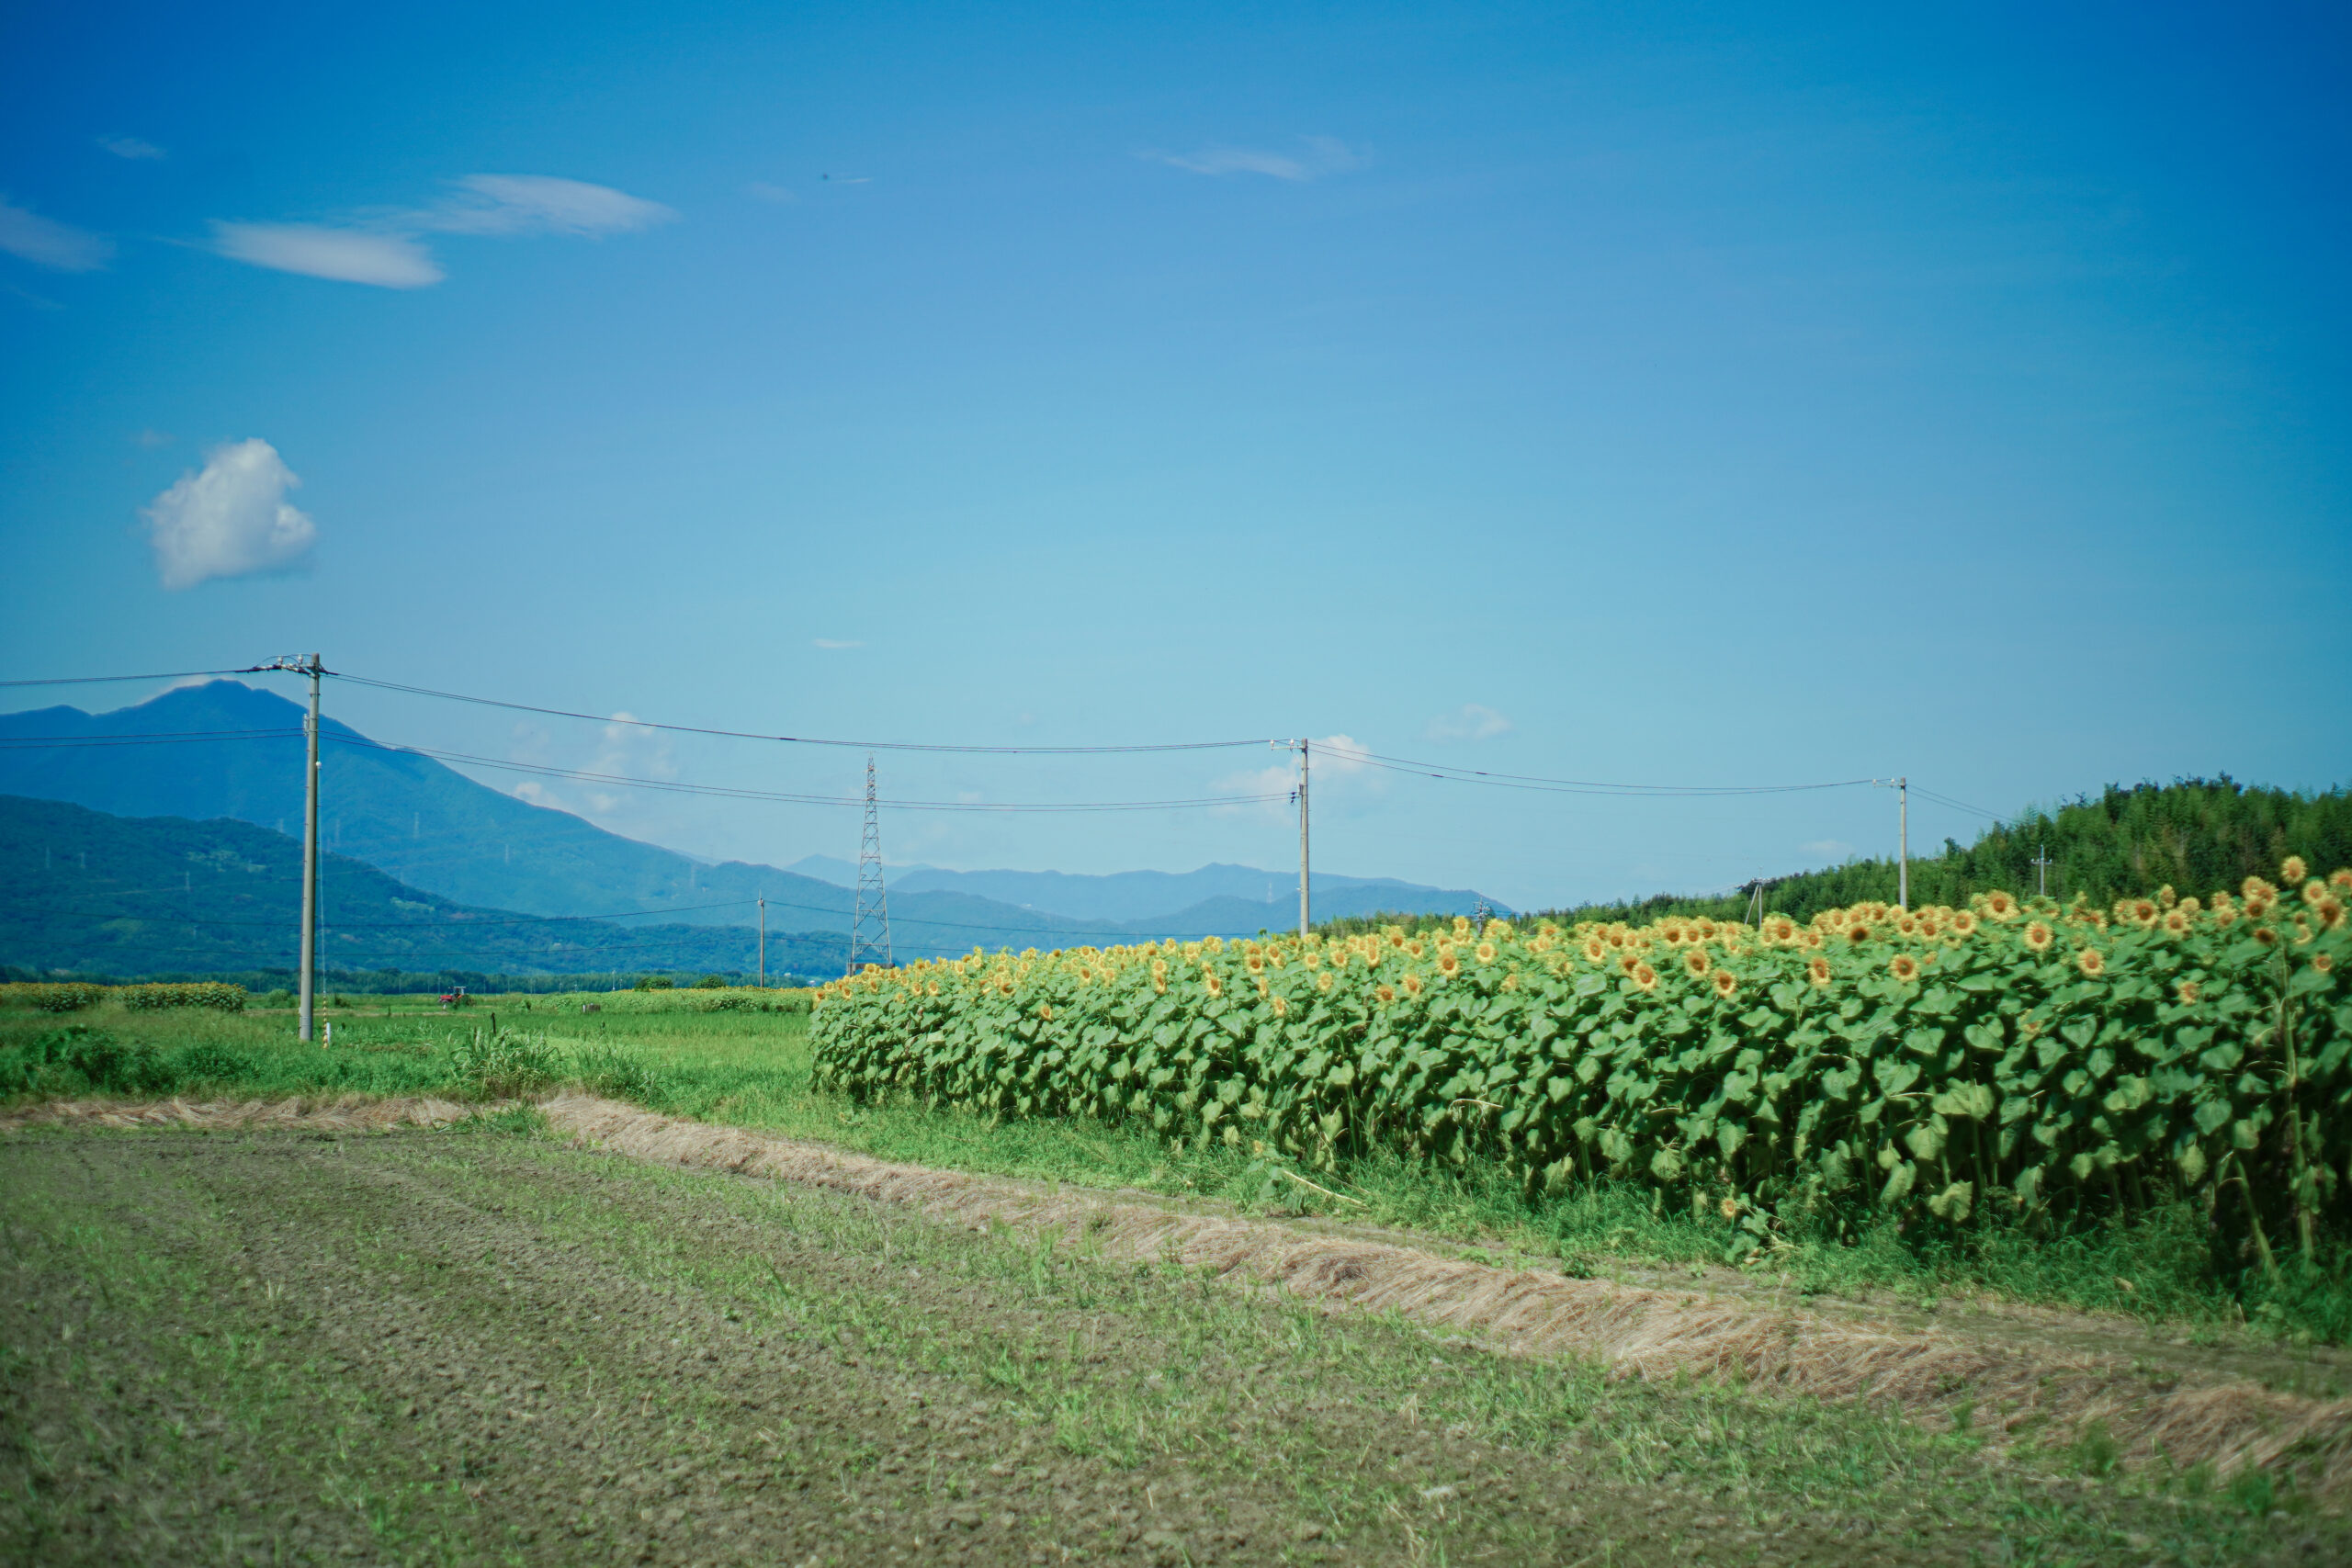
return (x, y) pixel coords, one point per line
(454, 996)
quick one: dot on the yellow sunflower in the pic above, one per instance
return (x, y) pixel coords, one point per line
(2291, 869)
(2176, 922)
(1322, 982)
(1644, 976)
(1385, 993)
(1281, 1006)
(2188, 993)
(1999, 906)
(1487, 952)
(1595, 950)
(2091, 961)
(2038, 936)
(1963, 923)
(1450, 965)
(1696, 961)
(1724, 984)
(1045, 1012)
(1904, 967)
(1818, 971)
(1216, 985)
(1412, 985)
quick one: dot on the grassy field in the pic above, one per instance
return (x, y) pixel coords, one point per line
(753, 1069)
(477, 1346)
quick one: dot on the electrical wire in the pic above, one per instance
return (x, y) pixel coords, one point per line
(794, 740)
(105, 679)
(1573, 786)
(678, 786)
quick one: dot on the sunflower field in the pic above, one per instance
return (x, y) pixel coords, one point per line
(1932, 1062)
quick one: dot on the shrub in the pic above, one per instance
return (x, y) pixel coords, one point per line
(711, 983)
(213, 994)
(79, 1056)
(654, 983)
(507, 1063)
(206, 1061)
(747, 998)
(70, 996)
(281, 997)
(599, 1069)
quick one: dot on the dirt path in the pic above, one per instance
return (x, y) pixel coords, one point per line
(467, 1346)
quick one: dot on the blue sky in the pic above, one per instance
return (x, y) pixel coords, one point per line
(1688, 395)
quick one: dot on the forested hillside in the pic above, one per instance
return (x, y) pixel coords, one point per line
(2195, 834)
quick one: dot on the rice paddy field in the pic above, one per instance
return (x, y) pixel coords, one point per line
(640, 1284)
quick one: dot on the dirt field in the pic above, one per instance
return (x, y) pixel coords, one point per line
(479, 1346)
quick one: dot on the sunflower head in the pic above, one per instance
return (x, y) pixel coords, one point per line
(1629, 962)
(930, 987)
(2145, 912)
(2254, 887)
(1812, 940)
(1281, 1006)
(1209, 979)
(1255, 964)
(1858, 934)
(1818, 971)
(1724, 984)
(1498, 930)
(1908, 925)
(1904, 967)
(2341, 877)
(1460, 925)
(2322, 962)
(1696, 961)
(2188, 993)
(1339, 958)
(1322, 982)
(2175, 922)
(2038, 936)
(2265, 935)
(1963, 923)
(1412, 985)
(2000, 905)
(2330, 911)
(1595, 950)
(2292, 870)
(1644, 976)
(1384, 993)
(1045, 1012)
(1672, 932)
(1450, 964)
(2315, 890)
(1487, 952)
(2091, 961)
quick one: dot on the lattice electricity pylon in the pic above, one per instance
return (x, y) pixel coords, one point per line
(869, 931)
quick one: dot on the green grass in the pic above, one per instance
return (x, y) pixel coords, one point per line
(754, 1070)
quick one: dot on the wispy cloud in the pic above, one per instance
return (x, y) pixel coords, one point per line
(47, 242)
(1828, 849)
(131, 146)
(152, 438)
(1471, 721)
(761, 190)
(228, 519)
(346, 255)
(1317, 156)
(386, 250)
(540, 204)
(1332, 757)
(829, 642)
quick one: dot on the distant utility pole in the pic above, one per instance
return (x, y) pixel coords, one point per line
(2041, 863)
(1756, 902)
(308, 664)
(1902, 787)
(764, 941)
(869, 930)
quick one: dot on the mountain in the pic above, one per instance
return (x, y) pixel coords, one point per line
(1161, 897)
(225, 749)
(87, 892)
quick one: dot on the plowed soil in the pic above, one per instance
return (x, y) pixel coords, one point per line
(472, 1345)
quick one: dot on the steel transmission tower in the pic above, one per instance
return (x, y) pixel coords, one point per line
(869, 931)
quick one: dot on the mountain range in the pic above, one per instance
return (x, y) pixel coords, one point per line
(223, 750)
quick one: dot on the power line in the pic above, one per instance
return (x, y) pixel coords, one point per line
(794, 740)
(1451, 774)
(106, 680)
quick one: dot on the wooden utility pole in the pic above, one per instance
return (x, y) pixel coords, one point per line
(1302, 841)
(764, 941)
(308, 664)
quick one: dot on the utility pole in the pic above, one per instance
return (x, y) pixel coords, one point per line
(1902, 786)
(869, 930)
(764, 941)
(1302, 841)
(308, 664)
(2041, 863)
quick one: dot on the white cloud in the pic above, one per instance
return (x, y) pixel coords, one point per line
(47, 242)
(1320, 155)
(152, 438)
(131, 146)
(761, 190)
(1330, 757)
(1828, 849)
(541, 203)
(229, 519)
(1471, 721)
(346, 255)
(830, 642)
(385, 251)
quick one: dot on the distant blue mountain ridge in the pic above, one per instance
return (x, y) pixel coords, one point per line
(225, 749)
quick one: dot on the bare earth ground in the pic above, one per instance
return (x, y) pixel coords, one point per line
(468, 1346)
